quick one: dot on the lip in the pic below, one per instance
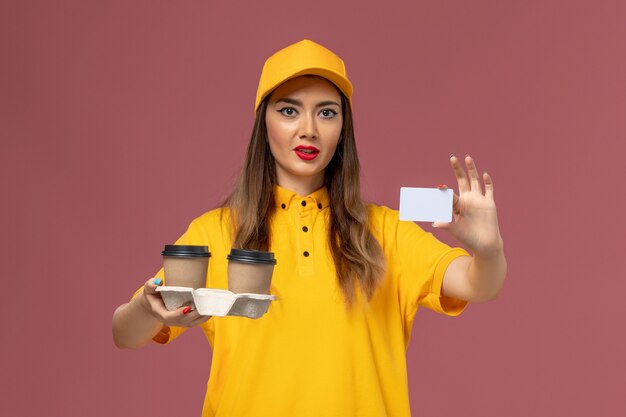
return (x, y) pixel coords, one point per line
(308, 156)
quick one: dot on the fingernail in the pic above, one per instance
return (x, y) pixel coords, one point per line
(186, 310)
(442, 186)
(157, 281)
(451, 155)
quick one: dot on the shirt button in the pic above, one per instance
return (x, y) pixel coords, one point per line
(306, 254)
(319, 206)
(305, 229)
(283, 206)
(303, 203)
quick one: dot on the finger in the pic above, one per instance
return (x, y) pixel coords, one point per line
(488, 185)
(473, 174)
(459, 173)
(175, 317)
(191, 317)
(151, 285)
(442, 186)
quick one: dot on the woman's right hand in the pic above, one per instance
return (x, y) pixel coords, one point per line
(153, 303)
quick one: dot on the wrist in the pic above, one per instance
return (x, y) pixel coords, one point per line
(493, 252)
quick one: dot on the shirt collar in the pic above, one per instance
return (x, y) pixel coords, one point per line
(285, 198)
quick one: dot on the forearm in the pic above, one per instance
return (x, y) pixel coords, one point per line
(134, 325)
(485, 275)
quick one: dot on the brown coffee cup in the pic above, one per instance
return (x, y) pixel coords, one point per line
(250, 271)
(185, 265)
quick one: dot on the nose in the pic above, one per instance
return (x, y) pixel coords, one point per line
(308, 127)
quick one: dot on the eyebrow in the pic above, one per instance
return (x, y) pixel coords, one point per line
(299, 103)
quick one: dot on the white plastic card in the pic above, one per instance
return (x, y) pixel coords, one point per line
(426, 204)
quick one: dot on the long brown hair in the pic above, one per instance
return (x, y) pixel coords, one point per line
(357, 255)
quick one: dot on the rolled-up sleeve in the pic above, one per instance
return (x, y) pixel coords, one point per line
(418, 262)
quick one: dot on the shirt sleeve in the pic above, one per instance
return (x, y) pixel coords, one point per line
(419, 262)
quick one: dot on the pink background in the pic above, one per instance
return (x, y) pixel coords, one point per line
(121, 121)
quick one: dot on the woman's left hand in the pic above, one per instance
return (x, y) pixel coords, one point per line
(475, 220)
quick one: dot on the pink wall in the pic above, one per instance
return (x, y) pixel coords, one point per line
(121, 121)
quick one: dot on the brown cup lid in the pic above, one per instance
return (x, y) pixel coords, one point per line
(186, 251)
(252, 256)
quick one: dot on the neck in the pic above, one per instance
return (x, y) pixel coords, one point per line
(301, 186)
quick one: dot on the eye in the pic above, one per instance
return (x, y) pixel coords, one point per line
(288, 111)
(328, 113)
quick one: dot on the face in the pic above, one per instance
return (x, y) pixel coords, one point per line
(304, 122)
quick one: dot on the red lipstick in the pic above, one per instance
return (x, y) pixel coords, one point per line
(306, 153)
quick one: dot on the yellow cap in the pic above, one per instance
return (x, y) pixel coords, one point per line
(303, 58)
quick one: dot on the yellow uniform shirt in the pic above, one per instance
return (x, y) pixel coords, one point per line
(309, 355)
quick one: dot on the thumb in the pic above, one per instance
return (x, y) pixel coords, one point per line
(441, 225)
(450, 227)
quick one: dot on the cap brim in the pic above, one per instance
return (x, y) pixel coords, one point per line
(343, 84)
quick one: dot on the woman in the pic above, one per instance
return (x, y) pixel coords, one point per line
(350, 276)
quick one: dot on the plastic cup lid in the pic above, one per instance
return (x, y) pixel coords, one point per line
(186, 251)
(252, 256)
